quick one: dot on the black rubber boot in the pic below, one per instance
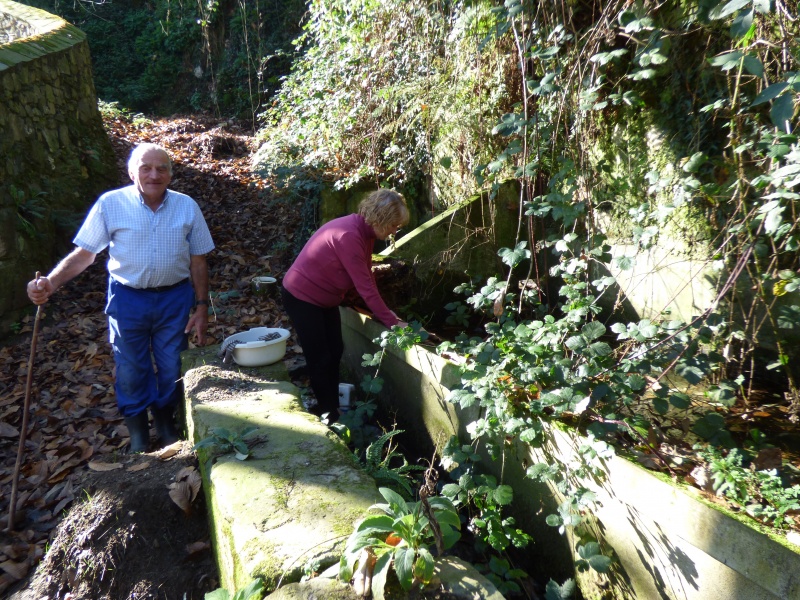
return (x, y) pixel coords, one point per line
(139, 431)
(164, 419)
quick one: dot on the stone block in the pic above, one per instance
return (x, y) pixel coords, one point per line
(300, 493)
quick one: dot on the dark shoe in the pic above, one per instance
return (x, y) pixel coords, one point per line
(164, 419)
(139, 431)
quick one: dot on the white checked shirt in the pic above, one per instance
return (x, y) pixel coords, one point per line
(146, 249)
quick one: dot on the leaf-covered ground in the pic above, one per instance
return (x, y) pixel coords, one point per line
(107, 518)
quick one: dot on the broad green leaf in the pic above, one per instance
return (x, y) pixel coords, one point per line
(753, 65)
(404, 558)
(376, 523)
(503, 495)
(782, 111)
(588, 550)
(710, 424)
(566, 591)
(695, 162)
(604, 57)
(576, 342)
(553, 520)
(636, 382)
(593, 330)
(679, 400)
(727, 61)
(624, 263)
(723, 10)
(380, 574)
(742, 26)
(770, 92)
(600, 563)
(600, 349)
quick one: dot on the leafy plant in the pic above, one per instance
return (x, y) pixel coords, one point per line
(401, 539)
(379, 457)
(29, 209)
(224, 441)
(253, 591)
(500, 572)
(762, 493)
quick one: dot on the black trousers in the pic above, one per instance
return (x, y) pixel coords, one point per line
(319, 331)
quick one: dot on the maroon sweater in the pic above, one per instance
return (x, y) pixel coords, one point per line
(336, 259)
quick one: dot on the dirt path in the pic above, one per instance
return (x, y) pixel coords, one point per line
(107, 518)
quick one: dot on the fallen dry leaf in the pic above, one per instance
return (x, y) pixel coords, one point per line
(169, 452)
(197, 548)
(181, 494)
(139, 467)
(17, 570)
(101, 466)
(7, 430)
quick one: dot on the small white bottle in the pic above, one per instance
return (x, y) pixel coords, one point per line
(346, 391)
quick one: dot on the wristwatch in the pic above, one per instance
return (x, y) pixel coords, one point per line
(199, 302)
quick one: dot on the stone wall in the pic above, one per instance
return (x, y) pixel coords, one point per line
(55, 157)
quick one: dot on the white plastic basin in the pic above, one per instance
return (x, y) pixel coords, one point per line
(255, 352)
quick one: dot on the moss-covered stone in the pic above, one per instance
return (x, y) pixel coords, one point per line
(297, 496)
(54, 150)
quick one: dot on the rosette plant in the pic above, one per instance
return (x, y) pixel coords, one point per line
(401, 537)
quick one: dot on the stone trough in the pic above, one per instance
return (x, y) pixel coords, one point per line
(295, 500)
(667, 541)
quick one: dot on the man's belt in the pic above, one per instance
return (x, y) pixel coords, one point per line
(160, 288)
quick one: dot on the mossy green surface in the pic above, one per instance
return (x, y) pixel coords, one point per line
(299, 493)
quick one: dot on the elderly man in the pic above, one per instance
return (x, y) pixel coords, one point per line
(157, 241)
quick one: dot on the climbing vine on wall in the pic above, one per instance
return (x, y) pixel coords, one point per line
(641, 121)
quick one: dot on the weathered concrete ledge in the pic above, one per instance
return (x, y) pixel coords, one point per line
(297, 497)
(299, 494)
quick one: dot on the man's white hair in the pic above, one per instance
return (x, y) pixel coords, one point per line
(136, 156)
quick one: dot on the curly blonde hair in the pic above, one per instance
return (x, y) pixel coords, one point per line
(384, 208)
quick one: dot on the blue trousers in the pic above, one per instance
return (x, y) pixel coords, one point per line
(146, 331)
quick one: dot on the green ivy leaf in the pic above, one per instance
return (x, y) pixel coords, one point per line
(723, 10)
(727, 61)
(743, 26)
(636, 382)
(593, 330)
(600, 563)
(770, 93)
(566, 591)
(600, 349)
(503, 495)
(782, 111)
(753, 65)
(708, 425)
(680, 400)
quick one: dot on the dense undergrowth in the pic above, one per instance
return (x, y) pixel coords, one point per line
(224, 57)
(627, 125)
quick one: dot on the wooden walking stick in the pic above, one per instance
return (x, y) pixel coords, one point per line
(25, 412)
